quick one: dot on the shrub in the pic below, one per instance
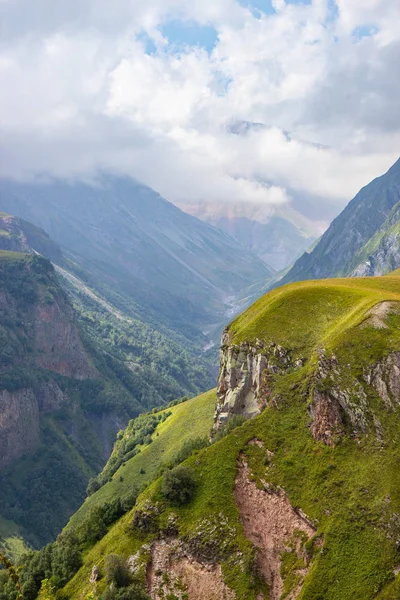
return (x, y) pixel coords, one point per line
(134, 591)
(178, 485)
(234, 421)
(117, 571)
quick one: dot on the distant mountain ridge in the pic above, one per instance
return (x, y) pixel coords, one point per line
(345, 246)
(277, 236)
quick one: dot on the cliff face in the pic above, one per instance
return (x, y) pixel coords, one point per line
(244, 387)
(58, 343)
(39, 333)
(338, 397)
(61, 404)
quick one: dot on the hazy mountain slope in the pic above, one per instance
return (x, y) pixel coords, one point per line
(62, 400)
(168, 439)
(381, 254)
(300, 501)
(17, 235)
(163, 364)
(277, 236)
(130, 239)
(350, 231)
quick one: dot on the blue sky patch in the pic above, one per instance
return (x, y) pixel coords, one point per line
(365, 31)
(149, 45)
(190, 33)
(258, 6)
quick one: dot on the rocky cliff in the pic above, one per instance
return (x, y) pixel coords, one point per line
(244, 387)
(381, 254)
(61, 400)
(39, 336)
(339, 395)
(17, 235)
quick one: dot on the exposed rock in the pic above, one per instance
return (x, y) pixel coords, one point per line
(335, 403)
(58, 342)
(19, 424)
(175, 573)
(95, 575)
(385, 378)
(382, 254)
(376, 317)
(273, 526)
(243, 387)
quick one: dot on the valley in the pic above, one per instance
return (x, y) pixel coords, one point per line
(317, 457)
(199, 300)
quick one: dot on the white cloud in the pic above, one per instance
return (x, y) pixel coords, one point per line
(79, 94)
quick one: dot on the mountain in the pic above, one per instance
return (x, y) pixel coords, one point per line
(296, 495)
(178, 271)
(17, 235)
(62, 400)
(161, 363)
(350, 233)
(277, 236)
(381, 254)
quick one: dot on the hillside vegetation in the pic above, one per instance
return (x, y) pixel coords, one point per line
(341, 540)
(63, 399)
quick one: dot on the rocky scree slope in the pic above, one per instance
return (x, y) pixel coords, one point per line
(341, 250)
(302, 500)
(61, 400)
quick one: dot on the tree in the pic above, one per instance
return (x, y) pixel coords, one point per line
(178, 485)
(117, 571)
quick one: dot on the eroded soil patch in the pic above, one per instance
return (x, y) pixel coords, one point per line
(378, 314)
(174, 573)
(275, 529)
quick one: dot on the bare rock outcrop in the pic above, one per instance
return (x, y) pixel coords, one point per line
(336, 402)
(175, 573)
(243, 383)
(41, 337)
(385, 379)
(273, 526)
(58, 343)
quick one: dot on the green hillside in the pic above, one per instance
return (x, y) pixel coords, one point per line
(303, 315)
(167, 440)
(341, 500)
(62, 400)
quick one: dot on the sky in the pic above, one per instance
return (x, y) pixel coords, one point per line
(275, 102)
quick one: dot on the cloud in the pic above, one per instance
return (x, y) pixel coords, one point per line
(82, 93)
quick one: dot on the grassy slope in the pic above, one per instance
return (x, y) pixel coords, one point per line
(301, 316)
(167, 439)
(11, 540)
(351, 491)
